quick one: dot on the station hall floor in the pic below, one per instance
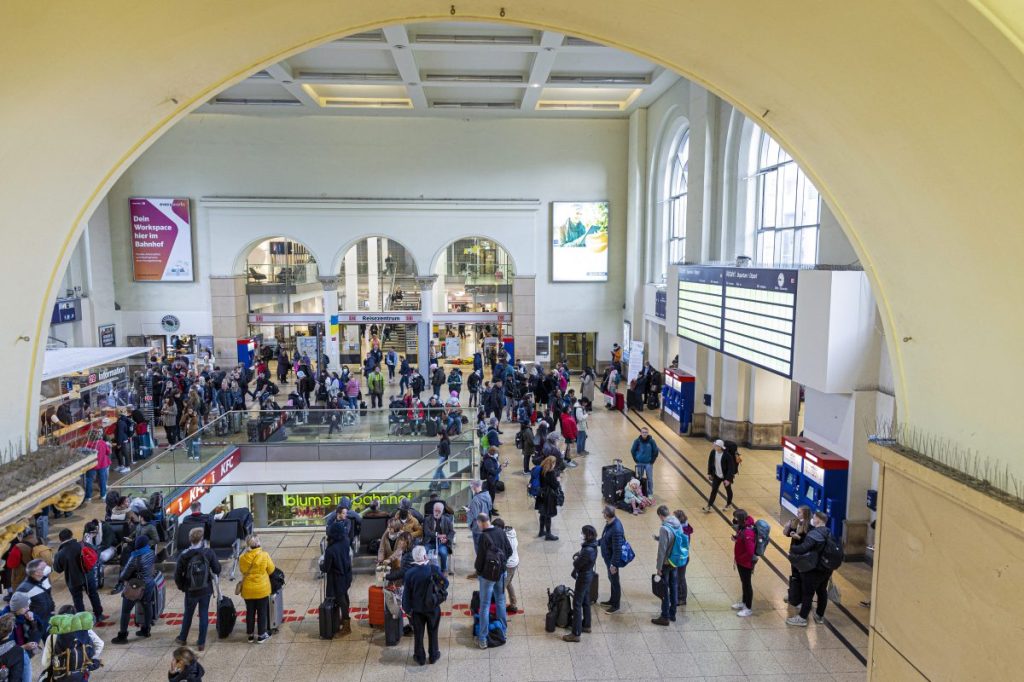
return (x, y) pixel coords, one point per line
(708, 641)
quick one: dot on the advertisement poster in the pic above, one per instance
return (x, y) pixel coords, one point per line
(161, 240)
(452, 347)
(636, 359)
(579, 241)
(108, 336)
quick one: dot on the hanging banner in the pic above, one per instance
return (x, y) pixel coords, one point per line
(161, 240)
(636, 359)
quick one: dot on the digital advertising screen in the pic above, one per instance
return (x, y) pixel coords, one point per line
(161, 239)
(579, 241)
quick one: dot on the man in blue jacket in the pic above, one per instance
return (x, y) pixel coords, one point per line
(645, 452)
(612, 539)
(416, 602)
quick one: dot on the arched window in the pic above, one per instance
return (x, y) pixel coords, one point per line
(675, 204)
(788, 209)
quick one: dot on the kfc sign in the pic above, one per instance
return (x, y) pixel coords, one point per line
(199, 488)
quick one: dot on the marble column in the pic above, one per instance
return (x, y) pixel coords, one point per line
(332, 337)
(423, 329)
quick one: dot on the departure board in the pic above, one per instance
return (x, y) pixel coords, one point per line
(748, 313)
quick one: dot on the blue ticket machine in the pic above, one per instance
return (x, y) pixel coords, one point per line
(812, 475)
(247, 351)
(677, 395)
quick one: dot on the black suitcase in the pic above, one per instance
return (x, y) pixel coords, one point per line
(653, 402)
(795, 596)
(614, 478)
(431, 428)
(392, 628)
(594, 588)
(226, 616)
(330, 619)
(252, 431)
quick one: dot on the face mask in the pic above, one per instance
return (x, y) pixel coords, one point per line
(582, 539)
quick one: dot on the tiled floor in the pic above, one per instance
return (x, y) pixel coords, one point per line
(707, 642)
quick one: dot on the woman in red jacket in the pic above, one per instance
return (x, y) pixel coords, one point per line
(569, 431)
(743, 552)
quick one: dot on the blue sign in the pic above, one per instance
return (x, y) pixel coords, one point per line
(661, 304)
(66, 310)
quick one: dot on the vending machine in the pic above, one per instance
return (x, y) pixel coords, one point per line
(812, 475)
(677, 395)
(247, 351)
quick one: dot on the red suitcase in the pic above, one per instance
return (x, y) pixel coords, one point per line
(376, 610)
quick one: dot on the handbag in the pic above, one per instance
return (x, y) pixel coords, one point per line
(559, 496)
(134, 589)
(657, 586)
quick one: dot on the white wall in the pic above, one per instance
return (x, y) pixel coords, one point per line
(393, 158)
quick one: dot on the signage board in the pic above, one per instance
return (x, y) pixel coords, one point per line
(543, 346)
(161, 239)
(579, 241)
(170, 323)
(196, 490)
(66, 310)
(661, 304)
(108, 336)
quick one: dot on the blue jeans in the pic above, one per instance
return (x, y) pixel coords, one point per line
(581, 441)
(491, 590)
(202, 602)
(193, 447)
(442, 556)
(26, 668)
(101, 475)
(648, 471)
(668, 602)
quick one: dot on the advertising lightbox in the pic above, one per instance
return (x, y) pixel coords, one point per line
(579, 241)
(161, 240)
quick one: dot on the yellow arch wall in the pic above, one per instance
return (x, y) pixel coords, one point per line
(907, 114)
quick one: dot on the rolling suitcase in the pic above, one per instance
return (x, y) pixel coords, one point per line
(392, 619)
(276, 610)
(614, 478)
(159, 599)
(431, 428)
(226, 615)
(329, 617)
(376, 610)
(594, 588)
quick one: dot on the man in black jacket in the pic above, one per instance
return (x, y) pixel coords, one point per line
(198, 517)
(68, 561)
(415, 602)
(612, 538)
(814, 577)
(490, 470)
(338, 570)
(492, 552)
(721, 469)
(439, 534)
(194, 575)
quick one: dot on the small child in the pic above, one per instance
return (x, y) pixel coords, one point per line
(185, 667)
(635, 498)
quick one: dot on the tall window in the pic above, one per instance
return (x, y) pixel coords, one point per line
(675, 206)
(788, 209)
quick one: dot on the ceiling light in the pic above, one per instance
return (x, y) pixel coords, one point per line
(560, 79)
(579, 106)
(448, 104)
(473, 78)
(474, 40)
(243, 101)
(534, 85)
(339, 76)
(365, 37)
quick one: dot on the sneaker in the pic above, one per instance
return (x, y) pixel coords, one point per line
(570, 638)
(744, 613)
(179, 641)
(262, 638)
(706, 510)
(551, 538)
(660, 621)
(797, 621)
(120, 639)
(739, 606)
(251, 639)
(819, 619)
(482, 643)
(612, 609)
(571, 465)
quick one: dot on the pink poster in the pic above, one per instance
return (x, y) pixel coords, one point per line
(161, 240)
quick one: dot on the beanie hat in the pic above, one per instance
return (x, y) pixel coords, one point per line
(20, 600)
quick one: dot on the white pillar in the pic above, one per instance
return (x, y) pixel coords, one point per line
(332, 337)
(426, 285)
(373, 272)
(352, 293)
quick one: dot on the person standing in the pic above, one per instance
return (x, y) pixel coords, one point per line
(721, 470)
(582, 414)
(479, 504)
(583, 563)
(13, 658)
(256, 567)
(418, 602)
(96, 442)
(338, 570)
(194, 575)
(670, 538)
(68, 561)
(473, 386)
(796, 530)
(140, 565)
(390, 360)
(439, 534)
(745, 542)
(375, 385)
(681, 591)
(814, 577)
(612, 538)
(490, 471)
(511, 565)
(645, 453)
(549, 498)
(492, 554)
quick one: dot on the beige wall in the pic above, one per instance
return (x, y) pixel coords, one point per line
(948, 575)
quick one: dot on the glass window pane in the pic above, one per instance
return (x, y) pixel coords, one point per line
(768, 199)
(679, 226)
(767, 247)
(811, 205)
(809, 246)
(784, 247)
(787, 198)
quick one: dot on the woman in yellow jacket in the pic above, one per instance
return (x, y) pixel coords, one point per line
(256, 566)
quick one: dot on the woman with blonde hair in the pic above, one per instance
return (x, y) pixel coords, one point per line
(550, 497)
(256, 567)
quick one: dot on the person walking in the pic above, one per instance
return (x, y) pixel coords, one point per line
(418, 601)
(745, 542)
(645, 453)
(814, 576)
(492, 555)
(511, 565)
(671, 547)
(256, 567)
(338, 571)
(550, 497)
(583, 563)
(139, 566)
(390, 360)
(194, 573)
(612, 538)
(68, 561)
(721, 470)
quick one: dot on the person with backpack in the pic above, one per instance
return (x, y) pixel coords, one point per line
(511, 565)
(524, 443)
(745, 556)
(681, 591)
(13, 658)
(721, 470)
(390, 361)
(26, 632)
(549, 498)
(796, 530)
(613, 537)
(194, 575)
(493, 551)
(815, 557)
(583, 563)
(672, 552)
(425, 589)
(71, 650)
(645, 452)
(75, 561)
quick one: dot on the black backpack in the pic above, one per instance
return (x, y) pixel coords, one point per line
(417, 383)
(559, 608)
(72, 656)
(437, 594)
(494, 562)
(832, 554)
(197, 572)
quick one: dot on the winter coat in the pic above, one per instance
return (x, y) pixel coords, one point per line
(729, 467)
(745, 543)
(480, 504)
(417, 586)
(69, 562)
(191, 673)
(433, 527)
(583, 563)
(255, 565)
(547, 500)
(812, 543)
(587, 387)
(491, 536)
(513, 542)
(644, 451)
(181, 569)
(666, 539)
(375, 383)
(611, 541)
(41, 602)
(12, 657)
(102, 453)
(490, 468)
(569, 429)
(140, 565)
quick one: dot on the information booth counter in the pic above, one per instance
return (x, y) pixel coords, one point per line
(812, 475)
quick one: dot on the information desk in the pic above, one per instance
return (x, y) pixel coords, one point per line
(811, 475)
